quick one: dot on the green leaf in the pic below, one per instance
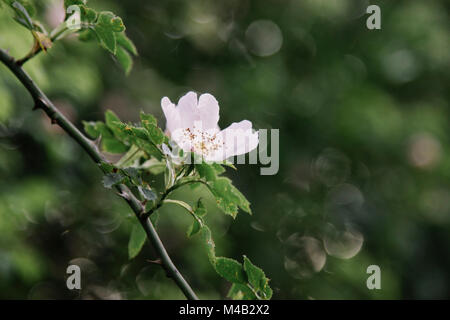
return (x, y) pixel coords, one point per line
(206, 171)
(147, 119)
(194, 228)
(106, 37)
(126, 43)
(240, 292)
(91, 129)
(225, 198)
(194, 185)
(200, 210)
(112, 145)
(257, 279)
(97, 129)
(231, 270)
(117, 24)
(155, 134)
(218, 168)
(210, 245)
(136, 242)
(131, 130)
(147, 147)
(103, 130)
(197, 213)
(106, 27)
(228, 197)
(113, 123)
(112, 179)
(140, 133)
(111, 21)
(110, 119)
(105, 18)
(87, 14)
(109, 30)
(244, 204)
(124, 59)
(249, 281)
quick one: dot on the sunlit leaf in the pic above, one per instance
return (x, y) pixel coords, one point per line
(257, 279)
(155, 134)
(124, 59)
(206, 171)
(106, 37)
(126, 43)
(230, 270)
(226, 199)
(110, 20)
(91, 128)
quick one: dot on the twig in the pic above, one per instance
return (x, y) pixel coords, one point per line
(42, 102)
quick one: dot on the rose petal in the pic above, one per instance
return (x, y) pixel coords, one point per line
(238, 138)
(172, 115)
(208, 109)
(187, 108)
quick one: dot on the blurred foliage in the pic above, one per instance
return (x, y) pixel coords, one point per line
(364, 149)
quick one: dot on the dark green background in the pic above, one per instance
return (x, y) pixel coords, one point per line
(364, 145)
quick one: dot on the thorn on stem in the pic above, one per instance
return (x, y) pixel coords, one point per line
(157, 261)
(123, 195)
(95, 144)
(53, 121)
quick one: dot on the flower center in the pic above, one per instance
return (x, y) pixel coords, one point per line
(200, 141)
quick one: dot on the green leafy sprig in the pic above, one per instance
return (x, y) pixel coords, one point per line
(105, 26)
(146, 153)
